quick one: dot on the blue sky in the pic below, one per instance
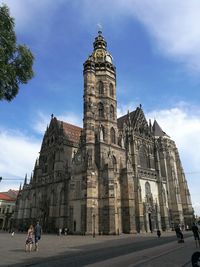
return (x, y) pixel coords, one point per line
(156, 49)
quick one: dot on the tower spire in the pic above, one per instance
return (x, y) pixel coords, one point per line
(99, 28)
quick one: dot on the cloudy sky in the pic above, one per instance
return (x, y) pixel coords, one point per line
(156, 49)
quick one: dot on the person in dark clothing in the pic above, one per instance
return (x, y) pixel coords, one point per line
(195, 231)
(158, 233)
(179, 234)
(195, 259)
(37, 232)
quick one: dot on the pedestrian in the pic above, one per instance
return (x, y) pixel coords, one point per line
(29, 239)
(60, 231)
(195, 259)
(158, 233)
(179, 234)
(38, 233)
(65, 231)
(195, 231)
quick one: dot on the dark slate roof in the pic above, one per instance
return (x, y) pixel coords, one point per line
(121, 120)
(158, 130)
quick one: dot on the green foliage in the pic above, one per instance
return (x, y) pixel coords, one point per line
(16, 61)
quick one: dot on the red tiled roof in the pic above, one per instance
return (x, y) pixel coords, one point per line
(12, 193)
(73, 132)
(4, 196)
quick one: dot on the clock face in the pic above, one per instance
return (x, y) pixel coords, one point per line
(99, 55)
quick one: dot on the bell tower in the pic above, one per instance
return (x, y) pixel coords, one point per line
(100, 134)
(100, 95)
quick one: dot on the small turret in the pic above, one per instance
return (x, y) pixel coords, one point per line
(100, 42)
(31, 179)
(25, 180)
(150, 126)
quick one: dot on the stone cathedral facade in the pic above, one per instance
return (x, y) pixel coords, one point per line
(114, 175)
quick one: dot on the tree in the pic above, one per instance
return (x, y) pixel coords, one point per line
(16, 61)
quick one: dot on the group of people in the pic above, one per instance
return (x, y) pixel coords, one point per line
(195, 231)
(180, 237)
(33, 232)
(64, 231)
(37, 231)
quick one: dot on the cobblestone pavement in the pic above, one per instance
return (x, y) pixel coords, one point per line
(117, 251)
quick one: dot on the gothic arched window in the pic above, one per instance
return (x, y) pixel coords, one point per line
(114, 162)
(101, 110)
(111, 89)
(101, 89)
(112, 136)
(112, 112)
(142, 158)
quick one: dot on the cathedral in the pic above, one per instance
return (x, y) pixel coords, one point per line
(113, 176)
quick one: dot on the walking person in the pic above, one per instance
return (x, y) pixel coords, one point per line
(60, 231)
(195, 231)
(38, 233)
(158, 233)
(29, 239)
(179, 234)
(65, 231)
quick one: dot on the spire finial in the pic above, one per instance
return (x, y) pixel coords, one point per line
(99, 28)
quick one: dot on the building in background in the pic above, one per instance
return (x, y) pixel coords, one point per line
(7, 206)
(114, 175)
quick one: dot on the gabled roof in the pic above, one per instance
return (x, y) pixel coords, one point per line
(121, 120)
(72, 132)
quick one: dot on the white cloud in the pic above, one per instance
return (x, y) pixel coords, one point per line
(173, 24)
(17, 157)
(122, 109)
(71, 118)
(42, 120)
(28, 11)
